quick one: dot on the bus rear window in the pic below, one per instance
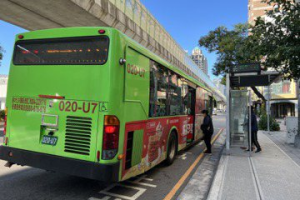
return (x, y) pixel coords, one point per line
(66, 51)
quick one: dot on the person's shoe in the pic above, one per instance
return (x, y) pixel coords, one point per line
(251, 150)
(258, 150)
(208, 152)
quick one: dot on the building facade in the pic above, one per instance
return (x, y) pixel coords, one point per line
(3, 90)
(222, 89)
(283, 93)
(220, 86)
(256, 8)
(284, 101)
(200, 60)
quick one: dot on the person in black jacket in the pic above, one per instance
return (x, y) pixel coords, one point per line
(208, 130)
(254, 129)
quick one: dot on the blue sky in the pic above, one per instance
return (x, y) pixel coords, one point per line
(186, 21)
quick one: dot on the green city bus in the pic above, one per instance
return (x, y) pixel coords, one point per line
(91, 102)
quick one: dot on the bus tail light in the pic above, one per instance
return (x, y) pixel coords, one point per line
(110, 137)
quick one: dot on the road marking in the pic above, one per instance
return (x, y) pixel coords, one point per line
(189, 171)
(104, 198)
(148, 179)
(134, 197)
(138, 181)
(200, 143)
(183, 156)
(116, 196)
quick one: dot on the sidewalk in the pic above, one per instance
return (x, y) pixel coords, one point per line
(198, 185)
(271, 174)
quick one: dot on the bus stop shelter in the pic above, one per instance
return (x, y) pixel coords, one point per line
(239, 101)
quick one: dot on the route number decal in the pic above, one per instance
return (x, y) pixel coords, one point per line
(74, 106)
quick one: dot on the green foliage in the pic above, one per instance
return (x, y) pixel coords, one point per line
(263, 124)
(276, 39)
(262, 110)
(228, 46)
(2, 114)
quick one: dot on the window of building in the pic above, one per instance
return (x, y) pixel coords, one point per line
(129, 3)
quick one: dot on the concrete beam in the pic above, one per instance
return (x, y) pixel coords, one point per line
(132, 18)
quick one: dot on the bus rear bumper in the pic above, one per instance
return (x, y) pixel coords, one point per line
(91, 170)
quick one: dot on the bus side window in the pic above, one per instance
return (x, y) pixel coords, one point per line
(158, 90)
(174, 94)
(152, 91)
(185, 97)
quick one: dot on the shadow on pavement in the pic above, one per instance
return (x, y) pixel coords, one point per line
(33, 183)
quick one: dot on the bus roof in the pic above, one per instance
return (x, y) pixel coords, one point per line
(160, 60)
(92, 31)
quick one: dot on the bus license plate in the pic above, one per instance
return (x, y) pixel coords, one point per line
(50, 140)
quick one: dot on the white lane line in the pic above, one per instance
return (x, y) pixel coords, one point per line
(148, 179)
(200, 143)
(134, 197)
(138, 181)
(183, 156)
(104, 198)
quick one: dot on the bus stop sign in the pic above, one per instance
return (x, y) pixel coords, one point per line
(245, 68)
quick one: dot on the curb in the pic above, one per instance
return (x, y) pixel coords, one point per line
(215, 191)
(198, 186)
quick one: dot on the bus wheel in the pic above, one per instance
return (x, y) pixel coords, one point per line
(172, 149)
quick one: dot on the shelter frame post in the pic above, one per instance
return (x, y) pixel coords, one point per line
(250, 122)
(227, 112)
(268, 109)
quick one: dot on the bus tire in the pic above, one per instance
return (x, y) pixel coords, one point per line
(172, 149)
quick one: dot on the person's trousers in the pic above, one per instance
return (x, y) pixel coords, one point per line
(254, 139)
(207, 140)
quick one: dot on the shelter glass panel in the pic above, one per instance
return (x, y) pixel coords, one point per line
(239, 120)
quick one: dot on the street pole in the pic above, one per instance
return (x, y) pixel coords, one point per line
(250, 122)
(227, 112)
(297, 137)
(298, 106)
(268, 109)
(298, 89)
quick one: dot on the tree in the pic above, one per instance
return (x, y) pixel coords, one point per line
(276, 38)
(228, 46)
(274, 41)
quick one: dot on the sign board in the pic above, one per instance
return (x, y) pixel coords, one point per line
(250, 67)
